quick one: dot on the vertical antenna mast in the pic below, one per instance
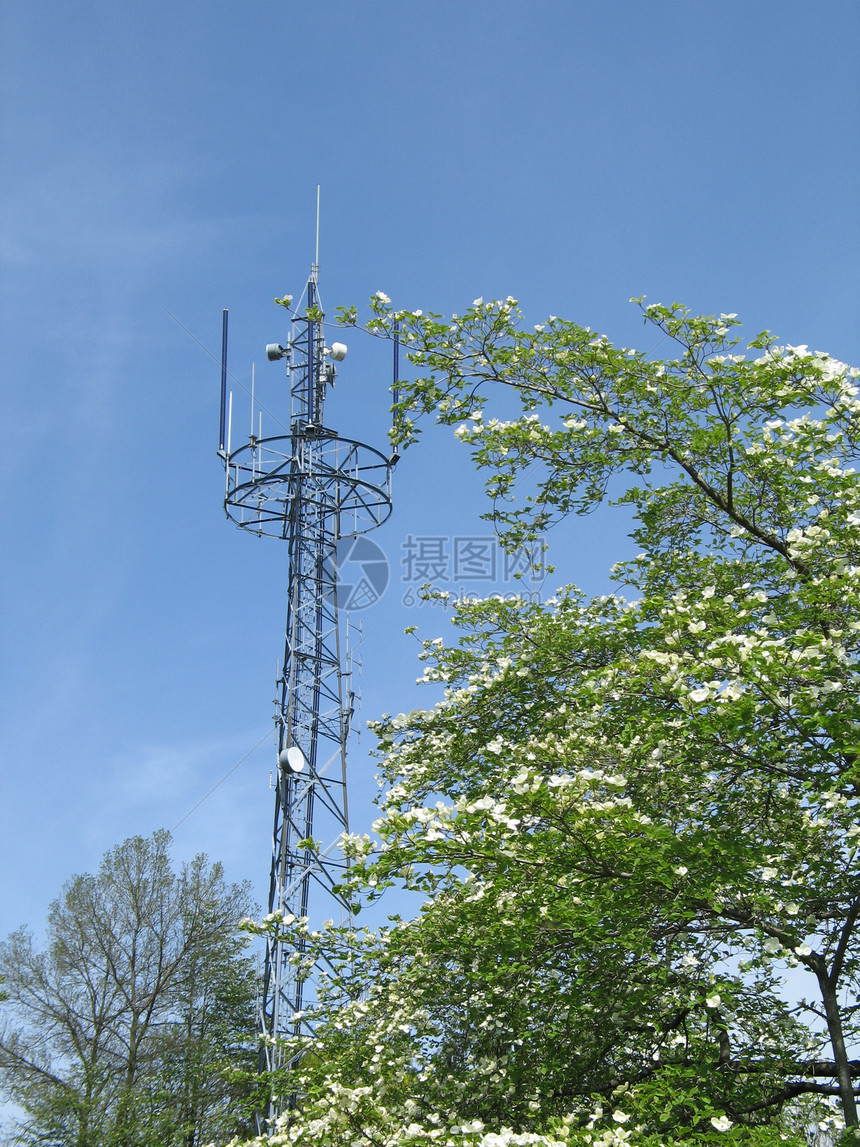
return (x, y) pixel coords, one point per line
(221, 442)
(317, 245)
(309, 487)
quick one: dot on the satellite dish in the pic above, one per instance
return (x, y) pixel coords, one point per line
(338, 352)
(292, 758)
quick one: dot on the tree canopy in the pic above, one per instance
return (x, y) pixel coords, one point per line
(133, 1025)
(632, 822)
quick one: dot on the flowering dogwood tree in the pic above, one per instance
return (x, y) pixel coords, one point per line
(631, 823)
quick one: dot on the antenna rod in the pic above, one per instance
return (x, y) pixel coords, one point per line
(395, 394)
(223, 377)
(394, 388)
(312, 301)
(317, 247)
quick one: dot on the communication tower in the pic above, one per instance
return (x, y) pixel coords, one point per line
(310, 487)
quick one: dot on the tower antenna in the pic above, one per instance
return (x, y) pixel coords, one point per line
(317, 245)
(221, 443)
(310, 488)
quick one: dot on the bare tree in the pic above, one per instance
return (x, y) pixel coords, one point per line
(133, 1025)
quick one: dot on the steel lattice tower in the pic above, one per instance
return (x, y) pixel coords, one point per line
(310, 487)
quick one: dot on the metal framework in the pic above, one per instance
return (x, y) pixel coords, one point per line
(311, 488)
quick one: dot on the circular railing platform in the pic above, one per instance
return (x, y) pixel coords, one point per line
(342, 477)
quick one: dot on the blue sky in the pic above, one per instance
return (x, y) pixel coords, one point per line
(164, 158)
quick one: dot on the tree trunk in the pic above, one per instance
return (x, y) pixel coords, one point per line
(837, 1042)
